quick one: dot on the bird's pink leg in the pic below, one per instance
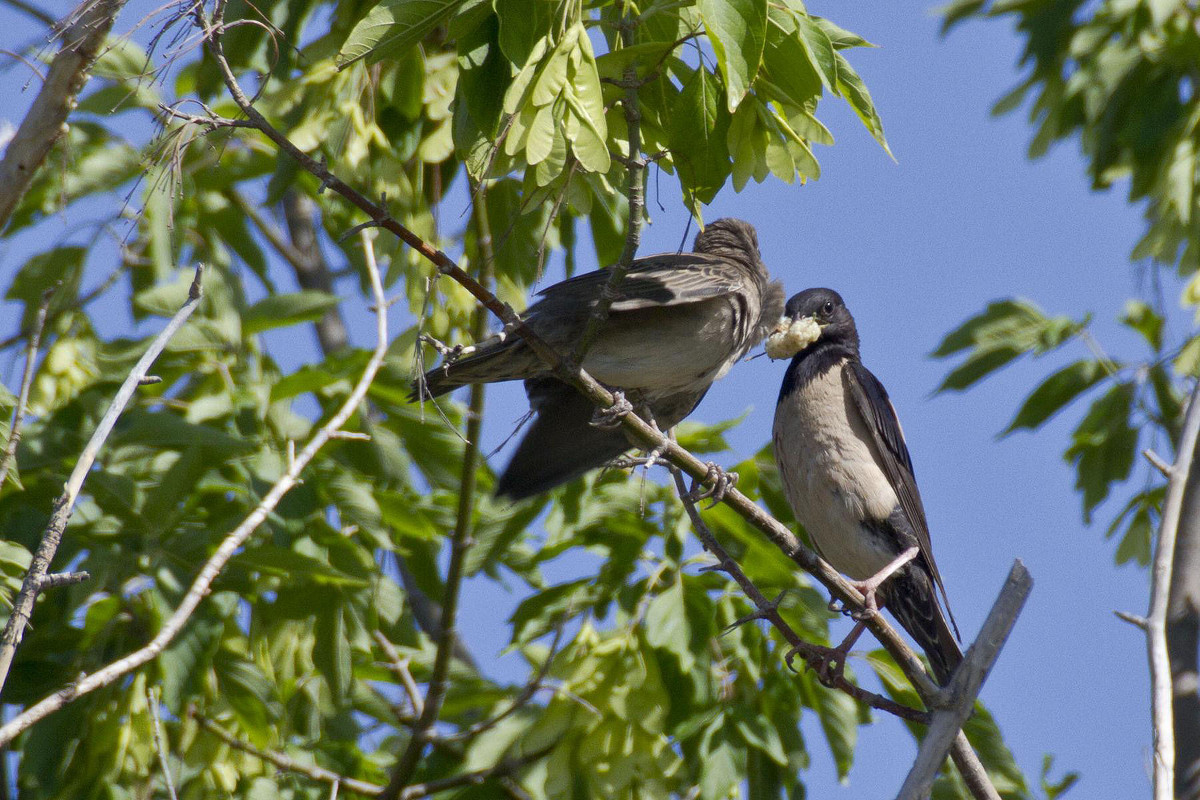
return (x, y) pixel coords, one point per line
(871, 585)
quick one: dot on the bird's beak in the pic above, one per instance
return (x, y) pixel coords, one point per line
(790, 336)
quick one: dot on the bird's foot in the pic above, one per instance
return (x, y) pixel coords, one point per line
(870, 587)
(829, 663)
(721, 480)
(609, 418)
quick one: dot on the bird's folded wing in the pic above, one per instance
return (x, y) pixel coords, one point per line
(663, 280)
(871, 401)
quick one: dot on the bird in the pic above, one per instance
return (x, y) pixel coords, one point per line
(678, 322)
(848, 476)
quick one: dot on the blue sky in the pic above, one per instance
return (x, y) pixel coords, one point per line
(915, 246)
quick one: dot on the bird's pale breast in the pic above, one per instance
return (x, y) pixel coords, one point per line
(831, 474)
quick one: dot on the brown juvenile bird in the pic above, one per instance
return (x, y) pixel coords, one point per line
(848, 477)
(678, 323)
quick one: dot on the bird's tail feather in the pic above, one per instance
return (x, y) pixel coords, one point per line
(561, 443)
(494, 361)
(910, 596)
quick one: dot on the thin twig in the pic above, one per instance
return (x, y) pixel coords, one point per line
(44, 122)
(635, 169)
(634, 426)
(460, 540)
(160, 742)
(287, 763)
(968, 680)
(499, 770)
(520, 701)
(1157, 462)
(769, 611)
(399, 666)
(14, 630)
(35, 341)
(1161, 709)
(225, 551)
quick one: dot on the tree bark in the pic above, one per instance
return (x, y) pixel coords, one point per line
(1183, 642)
(47, 117)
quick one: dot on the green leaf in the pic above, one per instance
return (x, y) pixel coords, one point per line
(1145, 320)
(851, 87)
(392, 27)
(1056, 392)
(789, 64)
(667, 624)
(820, 51)
(698, 140)
(1103, 446)
(738, 32)
(282, 310)
(1055, 788)
(331, 654)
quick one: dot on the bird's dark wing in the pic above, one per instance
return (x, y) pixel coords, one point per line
(872, 402)
(663, 280)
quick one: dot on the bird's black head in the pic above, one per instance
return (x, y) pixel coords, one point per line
(813, 318)
(729, 238)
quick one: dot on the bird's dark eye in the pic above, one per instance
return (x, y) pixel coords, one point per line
(827, 309)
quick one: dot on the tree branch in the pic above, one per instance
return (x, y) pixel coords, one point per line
(35, 341)
(1183, 641)
(636, 428)
(33, 584)
(160, 742)
(460, 541)
(225, 551)
(968, 680)
(1161, 705)
(45, 122)
(770, 612)
(287, 763)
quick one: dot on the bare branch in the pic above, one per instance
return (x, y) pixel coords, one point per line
(399, 666)
(1135, 620)
(1161, 708)
(499, 770)
(160, 743)
(968, 680)
(518, 702)
(57, 579)
(1183, 641)
(45, 122)
(225, 551)
(14, 630)
(640, 432)
(460, 540)
(35, 341)
(287, 763)
(1157, 462)
(769, 610)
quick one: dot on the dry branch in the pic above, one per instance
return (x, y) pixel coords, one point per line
(968, 680)
(287, 763)
(225, 551)
(46, 120)
(645, 435)
(35, 578)
(1162, 712)
(35, 341)
(769, 611)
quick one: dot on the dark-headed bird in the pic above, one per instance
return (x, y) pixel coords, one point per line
(848, 476)
(679, 322)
